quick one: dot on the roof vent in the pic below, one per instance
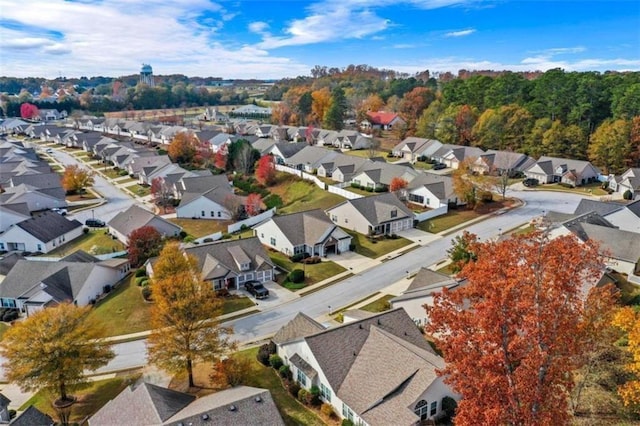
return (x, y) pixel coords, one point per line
(378, 321)
(205, 417)
(232, 408)
(354, 353)
(360, 326)
(258, 398)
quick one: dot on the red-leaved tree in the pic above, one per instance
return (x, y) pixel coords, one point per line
(28, 111)
(397, 184)
(143, 243)
(266, 170)
(253, 204)
(512, 336)
(220, 158)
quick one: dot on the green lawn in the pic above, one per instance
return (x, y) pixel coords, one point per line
(139, 190)
(377, 249)
(293, 412)
(90, 399)
(94, 242)
(313, 273)
(124, 311)
(361, 191)
(524, 230)
(299, 195)
(236, 303)
(365, 153)
(421, 165)
(449, 220)
(201, 227)
(379, 305)
(590, 188)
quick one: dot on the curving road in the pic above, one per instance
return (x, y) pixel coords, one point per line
(255, 327)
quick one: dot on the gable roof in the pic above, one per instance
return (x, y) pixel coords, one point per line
(300, 326)
(47, 226)
(147, 404)
(31, 417)
(600, 207)
(394, 373)
(308, 227)
(136, 217)
(613, 242)
(381, 117)
(377, 209)
(337, 348)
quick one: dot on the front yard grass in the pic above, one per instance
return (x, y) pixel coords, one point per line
(3, 329)
(299, 195)
(124, 311)
(139, 190)
(201, 227)
(312, 273)
(461, 215)
(368, 248)
(593, 188)
(81, 197)
(421, 165)
(365, 153)
(379, 305)
(292, 411)
(93, 242)
(110, 172)
(236, 303)
(90, 399)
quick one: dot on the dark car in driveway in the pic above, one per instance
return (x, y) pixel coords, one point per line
(256, 289)
(528, 182)
(95, 223)
(439, 166)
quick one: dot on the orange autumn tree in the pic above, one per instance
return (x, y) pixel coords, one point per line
(397, 184)
(512, 337)
(266, 170)
(628, 320)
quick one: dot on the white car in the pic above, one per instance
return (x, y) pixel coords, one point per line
(63, 212)
(48, 150)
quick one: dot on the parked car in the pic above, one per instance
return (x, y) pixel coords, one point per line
(48, 150)
(256, 289)
(60, 211)
(530, 182)
(94, 223)
(439, 166)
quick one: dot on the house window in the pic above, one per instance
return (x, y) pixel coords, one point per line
(298, 249)
(434, 409)
(346, 412)
(302, 379)
(219, 214)
(39, 247)
(325, 393)
(346, 220)
(334, 218)
(394, 213)
(416, 198)
(202, 213)
(213, 214)
(1, 246)
(421, 409)
(272, 241)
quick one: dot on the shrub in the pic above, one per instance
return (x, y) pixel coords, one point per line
(285, 372)
(303, 396)
(141, 272)
(146, 293)
(12, 413)
(144, 282)
(275, 361)
(293, 389)
(298, 257)
(346, 422)
(226, 236)
(85, 230)
(393, 236)
(263, 355)
(92, 301)
(327, 410)
(628, 195)
(352, 247)
(123, 173)
(296, 276)
(10, 316)
(314, 396)
(486, 196)
(449, 406)
(139, 280)
(231, 372)
(369, 189)
(272, 200)
(106, 289)
(312, 260)
(189, 239)
(356, 185)
(381, 189)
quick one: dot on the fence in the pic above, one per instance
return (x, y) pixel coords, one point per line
(251, 221)
(301, 174)
(212, 237)
(335, 189)
(421, 217)
(56, 259)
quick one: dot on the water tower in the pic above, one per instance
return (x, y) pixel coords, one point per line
(146, 75)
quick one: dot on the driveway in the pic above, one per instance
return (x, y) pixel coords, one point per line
(351, 261)
(418, 236)
(277, 296)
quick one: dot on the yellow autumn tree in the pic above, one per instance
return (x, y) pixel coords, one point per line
(628, 320)
(184, 316)
(76, 179)
(320, 104)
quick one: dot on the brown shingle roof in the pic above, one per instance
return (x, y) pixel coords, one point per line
(300, 326)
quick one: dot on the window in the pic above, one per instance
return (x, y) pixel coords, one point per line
(219, 214)
(39, 247)
(202, 213)
(1, 246)
(346, 412)
(394, 213)
(334, 218)
(325, 393)
(416, 198)
(302, 379)
(213, 214)
(346, 220)
(272, 241)
(434, 408)
(421, 409)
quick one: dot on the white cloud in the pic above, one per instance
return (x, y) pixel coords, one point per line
(113, 38)
(258, 27)
(460, 33)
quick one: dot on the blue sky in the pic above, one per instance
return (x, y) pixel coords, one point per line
(275, 39)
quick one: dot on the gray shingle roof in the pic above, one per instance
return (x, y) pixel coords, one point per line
(136, 217)
(303, 366)
(601, 207)
(616, 243)
(47, 226)
(378, 209)
(308, 227)
(336, 349)
(427, 278)
(300, 326)
(32, 417)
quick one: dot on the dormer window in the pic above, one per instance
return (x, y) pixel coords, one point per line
(245, 266)
(394, 213)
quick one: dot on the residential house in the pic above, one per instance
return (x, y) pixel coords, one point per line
(626, 218)
(264, 131)
(309, 158)
(453, 155)
(282, 151)
(32, 197)
(571, 172)
(80, 278)
(309, 232)
(12, 126)
(41, 233)
(341, 167)
(4, 409)
(10, 214)
(378, 175)
(431, 190)
(229, 264)
(382, 120)
(145, 404)
(151, 162)
(384, 354)
(251, 110)
(32, 416)
(46, 183)
(627, 181)
(420, 292)
(212, 114)
(136, 217)
(377, 214)
(500, 162)
(51, 115)
(326, 137)
(351, 139)
(413, 148)
(204, 197)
